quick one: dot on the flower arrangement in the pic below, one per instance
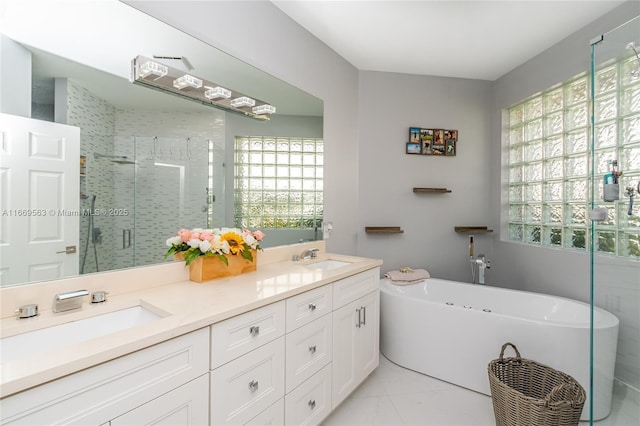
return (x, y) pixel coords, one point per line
(217, 242)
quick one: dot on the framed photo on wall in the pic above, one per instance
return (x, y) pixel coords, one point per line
(425, 141)
(413, 148)
(450, 141)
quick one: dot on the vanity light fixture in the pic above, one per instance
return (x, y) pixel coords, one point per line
(187, 81)
(155, 75)
(217, 93)
(264, 109)
(153, 68)
(242, 101)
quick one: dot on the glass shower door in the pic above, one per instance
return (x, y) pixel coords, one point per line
(171, 192)
(615, 226)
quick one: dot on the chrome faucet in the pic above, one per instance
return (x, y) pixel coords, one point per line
(311, 253)
(483, 265)
(68, 301)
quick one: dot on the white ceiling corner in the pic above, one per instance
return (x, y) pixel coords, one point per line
(465, 39)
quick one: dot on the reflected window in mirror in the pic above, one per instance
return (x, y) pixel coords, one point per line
(279, 183)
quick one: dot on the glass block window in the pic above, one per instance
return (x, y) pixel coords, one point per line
(549, 162)
(278, 182)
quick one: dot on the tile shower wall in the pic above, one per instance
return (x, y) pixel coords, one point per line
(172, 167)
(96, 118)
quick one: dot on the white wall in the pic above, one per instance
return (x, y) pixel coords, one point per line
(15, 78)
(389, 104)
(554, 271)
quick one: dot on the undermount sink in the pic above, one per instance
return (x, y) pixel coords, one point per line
(328, 264)
(35, 342)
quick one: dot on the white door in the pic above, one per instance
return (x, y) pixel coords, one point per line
(39, 200)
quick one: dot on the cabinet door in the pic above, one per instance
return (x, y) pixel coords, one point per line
(368, 336)
(308, 349)
(310, 402)
(356, 344)
(246, 386)
(187, 405)
(345, 328)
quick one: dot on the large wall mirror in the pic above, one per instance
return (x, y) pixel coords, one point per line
(143, 163)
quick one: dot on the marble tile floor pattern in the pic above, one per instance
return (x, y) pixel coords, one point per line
(394, 396)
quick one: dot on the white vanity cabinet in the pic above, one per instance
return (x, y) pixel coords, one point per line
(294, 361)
(104, 393)
(247, 364)
(356, 335)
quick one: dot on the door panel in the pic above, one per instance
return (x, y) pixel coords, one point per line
(39, 184)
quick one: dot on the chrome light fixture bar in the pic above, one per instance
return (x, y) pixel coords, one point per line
(150, 73)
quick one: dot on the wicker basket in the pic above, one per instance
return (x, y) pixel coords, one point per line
(525, 392)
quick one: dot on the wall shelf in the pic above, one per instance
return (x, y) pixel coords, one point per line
(383, 230)
(431, 190)
(473, 229)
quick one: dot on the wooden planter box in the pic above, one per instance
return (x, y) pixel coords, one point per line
(206, 268)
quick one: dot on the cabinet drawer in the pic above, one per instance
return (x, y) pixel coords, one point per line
(305, 307)
(351, 288)
(186, 406)
(309, 348)
(310, 403)
(101, 393)
(238, 335)
(248, 385)
(272, 416)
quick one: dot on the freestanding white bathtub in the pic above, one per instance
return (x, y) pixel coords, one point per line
(451, 331)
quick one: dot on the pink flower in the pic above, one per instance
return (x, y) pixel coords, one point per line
(206, 236)
(184, 234)
(195, 236)
(258, 235)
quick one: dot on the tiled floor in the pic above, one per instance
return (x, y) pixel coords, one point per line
(394, 396)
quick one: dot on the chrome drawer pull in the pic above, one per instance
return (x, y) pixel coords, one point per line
(253, 385)
(312, 306)
(312, 403)
(254, 330)
(312, 349)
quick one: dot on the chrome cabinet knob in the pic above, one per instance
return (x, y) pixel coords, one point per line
(312, 306)
(254, 330)
(312, 403)
(312, 349)
(253, 385)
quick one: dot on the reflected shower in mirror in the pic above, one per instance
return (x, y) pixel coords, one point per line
(146, 163)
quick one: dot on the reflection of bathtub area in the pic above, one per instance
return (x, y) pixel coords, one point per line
(451, 331)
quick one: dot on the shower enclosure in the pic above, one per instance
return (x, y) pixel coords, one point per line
(141, 194)
(615, 209)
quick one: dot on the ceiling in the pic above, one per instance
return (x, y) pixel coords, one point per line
(465, 39)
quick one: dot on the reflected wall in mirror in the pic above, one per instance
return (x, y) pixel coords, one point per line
(140, 164)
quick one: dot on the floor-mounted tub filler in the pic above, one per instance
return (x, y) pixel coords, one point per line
(451, 331)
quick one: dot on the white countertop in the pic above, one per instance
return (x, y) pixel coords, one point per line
(188, 306)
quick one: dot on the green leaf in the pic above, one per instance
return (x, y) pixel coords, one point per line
(246, 253)
(223, 259)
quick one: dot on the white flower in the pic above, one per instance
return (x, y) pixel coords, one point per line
(205, 246)
(173, 241)
(216, 245)
(249, 239)
(225, 247)
(194, 243)
(196, 230)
